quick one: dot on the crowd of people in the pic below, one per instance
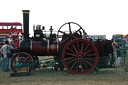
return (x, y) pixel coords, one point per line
(8, 47)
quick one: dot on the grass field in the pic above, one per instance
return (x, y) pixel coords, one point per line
(108, 76)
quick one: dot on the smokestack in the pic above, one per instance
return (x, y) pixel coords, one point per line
(25, 25)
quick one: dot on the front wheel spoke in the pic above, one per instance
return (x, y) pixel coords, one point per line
(25, 59)
(15, 62)
(22, 56)
(18, 59)
(71, 54)
(88, 62)
(73, 65)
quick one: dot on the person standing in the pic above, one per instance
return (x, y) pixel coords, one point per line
(114, 54)
(14, 51)
(1, 61)
(4, 50)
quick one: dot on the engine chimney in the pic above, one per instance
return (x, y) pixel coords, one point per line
(26, 25)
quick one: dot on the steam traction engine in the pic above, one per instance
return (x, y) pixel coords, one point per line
(71, 49)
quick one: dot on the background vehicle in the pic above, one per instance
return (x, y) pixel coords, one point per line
(10, 31)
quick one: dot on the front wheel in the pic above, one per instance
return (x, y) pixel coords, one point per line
(21, 60)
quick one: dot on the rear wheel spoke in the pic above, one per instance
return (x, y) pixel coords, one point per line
(85, 65)
(91, 55)
(71, 54)
(77, 64)
(75, 48)
(89, 59)
(78, 46)
(88, 62)
(86, 48)
(82, 47)
(71, 61)
(88, 51)
(73, 65)
(68, 58)
(81, 67)
(71, 50)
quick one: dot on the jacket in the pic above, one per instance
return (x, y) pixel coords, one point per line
(6, 49)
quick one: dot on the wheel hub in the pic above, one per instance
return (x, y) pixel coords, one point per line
(79, 56)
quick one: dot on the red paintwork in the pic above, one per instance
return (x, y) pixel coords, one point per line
(36, 48)
(10, 33)
(10, 23)
(3, 30)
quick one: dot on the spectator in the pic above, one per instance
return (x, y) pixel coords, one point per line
(14, 51)
(114, 54)
(1, 60)
(4, 50)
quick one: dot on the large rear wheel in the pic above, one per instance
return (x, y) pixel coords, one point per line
(80, 56)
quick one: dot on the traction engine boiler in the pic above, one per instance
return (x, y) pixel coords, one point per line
(71, 49)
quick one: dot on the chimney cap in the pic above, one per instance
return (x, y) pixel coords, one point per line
(26, 11)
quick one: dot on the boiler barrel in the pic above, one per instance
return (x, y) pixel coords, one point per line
(44, 48)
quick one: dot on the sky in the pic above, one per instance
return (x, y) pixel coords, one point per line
(96, 17)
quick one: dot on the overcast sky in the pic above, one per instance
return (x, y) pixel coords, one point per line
(97, 17)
